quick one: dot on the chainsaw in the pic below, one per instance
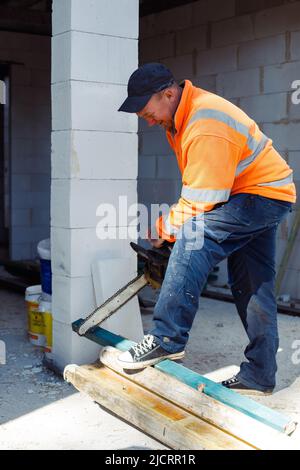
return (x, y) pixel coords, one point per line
(155, 262)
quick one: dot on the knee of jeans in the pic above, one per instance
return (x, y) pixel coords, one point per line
(191, 298)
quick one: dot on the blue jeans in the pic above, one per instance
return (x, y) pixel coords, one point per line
(244, 231)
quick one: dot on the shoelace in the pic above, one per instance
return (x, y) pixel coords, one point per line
(231, 381)
(144, 346)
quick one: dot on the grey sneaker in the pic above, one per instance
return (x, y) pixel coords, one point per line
(146, 353)
(234, 384)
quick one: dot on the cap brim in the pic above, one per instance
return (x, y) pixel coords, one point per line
(134, 104)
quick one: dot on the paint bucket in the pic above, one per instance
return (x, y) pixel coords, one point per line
(45, 308)
(35, 318)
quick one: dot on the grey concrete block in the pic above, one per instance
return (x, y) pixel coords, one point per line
(154, 144)
(207, 82)
(284, 136)
(157, 47)
(295, 45)
(264, 51)
(168, 20)
(147, 167)
(204, 11)
(168, 167)
(243, 7)
(266, 108)
(20, 251)
(221, 59)
(294, 162)
(41, 199)
(40, 183)
(277, 20)
(294, 104)
(181, 66)
(232, 31)
(160, 191)
(29, 234)
(194, 39)
(239, 84)
(21, 200)
(21, 217)
(41, 216)
(21, 183)
(280, 77)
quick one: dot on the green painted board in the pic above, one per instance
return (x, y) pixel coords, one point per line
(183, 374)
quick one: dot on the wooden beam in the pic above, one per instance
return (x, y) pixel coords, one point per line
(230, 398)
(228, 419)
(161, 419)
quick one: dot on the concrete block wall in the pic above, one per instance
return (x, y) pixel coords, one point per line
(247, 52)
(94, 155)
(30, 135)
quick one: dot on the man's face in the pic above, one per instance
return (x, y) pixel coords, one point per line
(158, 111)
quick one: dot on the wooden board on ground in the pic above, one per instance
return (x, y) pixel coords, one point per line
(241, 403)
(154, 415)
(214, 412)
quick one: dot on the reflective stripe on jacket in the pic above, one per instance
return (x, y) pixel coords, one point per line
(220, 152)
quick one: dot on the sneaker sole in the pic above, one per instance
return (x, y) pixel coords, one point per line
(253, 392)
(142, 365)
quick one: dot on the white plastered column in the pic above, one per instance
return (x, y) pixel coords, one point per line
(94, 161)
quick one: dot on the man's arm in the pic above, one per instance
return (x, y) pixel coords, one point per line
(207, 180)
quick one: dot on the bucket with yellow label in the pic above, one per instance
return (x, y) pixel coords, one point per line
(45, 308)
(35, 318)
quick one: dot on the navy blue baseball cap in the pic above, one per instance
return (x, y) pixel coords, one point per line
(144, 82)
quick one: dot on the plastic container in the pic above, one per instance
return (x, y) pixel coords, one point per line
(45, 309)
(44, 252)
(32, 298)
(35, 317)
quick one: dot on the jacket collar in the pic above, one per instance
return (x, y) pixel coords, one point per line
(183, 109)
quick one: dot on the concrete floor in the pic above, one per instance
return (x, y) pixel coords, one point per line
(39, 411)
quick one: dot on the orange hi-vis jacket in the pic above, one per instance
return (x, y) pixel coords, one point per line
(220, 152)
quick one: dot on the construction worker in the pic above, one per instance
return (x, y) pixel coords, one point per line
(236, 189)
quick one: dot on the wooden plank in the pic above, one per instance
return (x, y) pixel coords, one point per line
(161, 419)
(228, 397)
(228, 419)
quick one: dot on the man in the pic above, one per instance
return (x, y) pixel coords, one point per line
(236, 190)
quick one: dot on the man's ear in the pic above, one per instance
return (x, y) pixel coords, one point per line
(169, 93)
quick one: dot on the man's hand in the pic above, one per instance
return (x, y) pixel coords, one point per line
(155, 242)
